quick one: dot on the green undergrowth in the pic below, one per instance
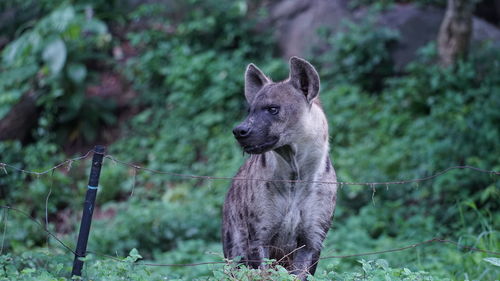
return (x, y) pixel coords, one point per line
(46, 266)
(52, 62)
(187, 72)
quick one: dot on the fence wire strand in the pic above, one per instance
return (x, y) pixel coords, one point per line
(137, 168)
(120, 259)
(67, 162)
(341, 183)
(25, 214)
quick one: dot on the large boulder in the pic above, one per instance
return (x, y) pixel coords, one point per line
(296, 24)
(419, 25)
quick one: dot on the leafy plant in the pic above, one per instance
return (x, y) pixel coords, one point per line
(51, 60)
(44, 266)
(192, 88)
(159, 225)
(188, 73)
(359, 54)
(422, 122)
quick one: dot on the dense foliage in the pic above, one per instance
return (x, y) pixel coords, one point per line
(186, 69)
(51, 60)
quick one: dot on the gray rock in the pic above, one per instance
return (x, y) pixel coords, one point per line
(296, 24)
(417, 26)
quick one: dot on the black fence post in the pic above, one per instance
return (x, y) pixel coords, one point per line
(88, 209)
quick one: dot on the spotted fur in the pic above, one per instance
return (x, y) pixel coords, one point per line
(285, 221)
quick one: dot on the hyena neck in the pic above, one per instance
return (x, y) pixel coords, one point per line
(301, 161)
(287, 166)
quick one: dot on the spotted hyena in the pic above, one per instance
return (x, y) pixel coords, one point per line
(284, 216)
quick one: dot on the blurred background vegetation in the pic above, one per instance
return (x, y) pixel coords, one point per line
(160, 83)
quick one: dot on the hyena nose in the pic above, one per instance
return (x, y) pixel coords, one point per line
(241, 131)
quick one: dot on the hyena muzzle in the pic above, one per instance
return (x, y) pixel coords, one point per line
(286, 213)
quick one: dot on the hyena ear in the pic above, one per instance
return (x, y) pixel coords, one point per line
(254, 81)
(304, 78)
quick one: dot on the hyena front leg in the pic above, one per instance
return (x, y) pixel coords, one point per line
(304, 262)
(256, 256)
(257, 252)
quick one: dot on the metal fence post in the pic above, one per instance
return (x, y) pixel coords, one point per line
(88, 209)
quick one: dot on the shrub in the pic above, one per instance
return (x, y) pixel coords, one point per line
(51, 60)
(358, 54)
(155, 226)
(192, 91)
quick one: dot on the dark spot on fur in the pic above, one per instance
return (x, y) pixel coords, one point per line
(325, 225)
(263, 160)
(268, 185)
(264, 228)
(327, 164)
(273, 239)
(302, 240)
(228, 240)
(252, 233)
(257, 219)
(241, 216)
(252, 197)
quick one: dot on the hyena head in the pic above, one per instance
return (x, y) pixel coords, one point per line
(279, 113)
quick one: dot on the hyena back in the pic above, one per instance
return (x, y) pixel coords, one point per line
(286, 214)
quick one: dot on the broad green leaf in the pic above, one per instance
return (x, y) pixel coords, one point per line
(95, 26)
(383, 264)
(54, 55)
(58, 20)
(493, 261)
(77, 72)
(11, 51)
(134, 254)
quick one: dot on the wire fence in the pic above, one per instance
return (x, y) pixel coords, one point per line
(122, 259)
(136, 167)
(67, 164)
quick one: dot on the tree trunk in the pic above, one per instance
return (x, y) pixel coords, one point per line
(455, 31)
(20, 120)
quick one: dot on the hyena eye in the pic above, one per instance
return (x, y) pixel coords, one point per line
(273, 110)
